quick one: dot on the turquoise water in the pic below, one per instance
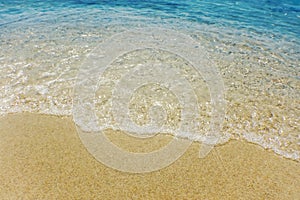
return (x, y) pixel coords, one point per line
(275, 24)
(255, 45)
(267, 16)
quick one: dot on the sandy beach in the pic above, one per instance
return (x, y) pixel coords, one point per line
(225, 73)
(42, 157)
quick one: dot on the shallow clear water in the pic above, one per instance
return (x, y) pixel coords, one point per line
(254, 44)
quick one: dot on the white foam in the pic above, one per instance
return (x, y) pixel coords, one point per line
(34, 79)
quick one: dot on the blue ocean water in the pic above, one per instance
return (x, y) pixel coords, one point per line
(274, 17)
(274, 20)
(254, 43)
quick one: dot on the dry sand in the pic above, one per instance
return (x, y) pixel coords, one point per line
(42, 157)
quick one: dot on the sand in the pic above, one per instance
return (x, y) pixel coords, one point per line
(42, 157)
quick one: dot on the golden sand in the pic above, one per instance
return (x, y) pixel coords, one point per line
(42, 157)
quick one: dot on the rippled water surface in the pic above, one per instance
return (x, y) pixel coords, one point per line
(255, 45)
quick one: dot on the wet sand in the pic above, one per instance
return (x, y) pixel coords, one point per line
(42, 157)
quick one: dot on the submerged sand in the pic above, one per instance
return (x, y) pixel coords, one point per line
(42, 157)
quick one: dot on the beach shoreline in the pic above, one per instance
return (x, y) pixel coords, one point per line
(42, 157)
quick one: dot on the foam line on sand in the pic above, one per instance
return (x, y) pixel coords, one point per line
(41, 157)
